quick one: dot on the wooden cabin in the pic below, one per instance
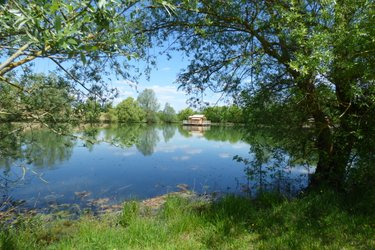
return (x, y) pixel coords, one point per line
(197, 120)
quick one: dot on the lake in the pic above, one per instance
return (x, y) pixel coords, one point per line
(117, 163)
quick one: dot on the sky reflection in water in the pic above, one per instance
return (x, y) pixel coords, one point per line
(145, 161)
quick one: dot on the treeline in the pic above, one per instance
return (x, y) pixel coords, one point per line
(131, 110)
(217, 114)
(38, 97)
(145, 108)
(53, 99)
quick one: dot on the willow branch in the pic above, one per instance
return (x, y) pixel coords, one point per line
(71, 76)
(6, 80)
(13, 65)
(14, 56)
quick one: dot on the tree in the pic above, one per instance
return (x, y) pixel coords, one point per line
(40, 147)
(149, 103)
(235, 114)
(125, 136)
(129, 111)
(232, 114)
(168, 114)
(47, 99)
(9, 111)
(216, 114)
(90, 111)
(184, 114)
(314, 58)
(84, 40)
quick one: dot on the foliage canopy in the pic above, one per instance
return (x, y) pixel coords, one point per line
(311, 58)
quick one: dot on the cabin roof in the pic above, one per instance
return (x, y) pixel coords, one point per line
(196, 116)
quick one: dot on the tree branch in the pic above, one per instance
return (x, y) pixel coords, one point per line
(11, 84)
(69, 74)
(13, 65)
(14, 56)
(73, 77)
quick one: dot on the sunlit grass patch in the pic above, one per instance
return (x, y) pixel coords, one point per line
(319, 220)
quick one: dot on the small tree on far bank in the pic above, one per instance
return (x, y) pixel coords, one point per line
(149, 104)
(184, 114)
(168, 114)
(129, 111)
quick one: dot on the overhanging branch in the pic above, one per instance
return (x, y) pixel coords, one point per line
(14, 56)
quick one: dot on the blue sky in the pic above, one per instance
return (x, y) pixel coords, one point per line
(162, 81)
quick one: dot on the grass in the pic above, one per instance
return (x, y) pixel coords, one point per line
(320, 220)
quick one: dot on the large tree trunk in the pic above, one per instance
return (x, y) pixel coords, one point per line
(334, 156)
(334, 145)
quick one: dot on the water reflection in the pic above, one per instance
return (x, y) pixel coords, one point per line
(24, 154)
(168, 132)
(110, 163)
(221, 133)
(91, 135)
(147, 141)
(196, 130)
(144, 137)
(125, 135)
(280, 159)
(39, 147)
(273, 172)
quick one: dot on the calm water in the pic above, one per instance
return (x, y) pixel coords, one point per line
(139, 162)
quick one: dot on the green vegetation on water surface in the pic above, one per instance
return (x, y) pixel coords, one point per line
(318, 220)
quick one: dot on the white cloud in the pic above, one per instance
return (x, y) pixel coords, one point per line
(165, 90)
(125, 88)
(125, 82)
(194, 167)
(166, 69)
(181, 158)
(126, 153)
(300, 170)
(240, 145)
(224, 155)
(164, 94)
(193, 151)
(219, 144)
(167, 148)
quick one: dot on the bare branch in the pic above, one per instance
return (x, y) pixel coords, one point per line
(69, 74)
(72, 77)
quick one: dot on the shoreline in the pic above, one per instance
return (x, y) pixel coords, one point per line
(99, 206)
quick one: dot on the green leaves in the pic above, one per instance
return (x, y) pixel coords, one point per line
(293, 60)
(58, 24)
(83, 58)
(78, 29)
(129, 111)
(102, 3)
(168, 114)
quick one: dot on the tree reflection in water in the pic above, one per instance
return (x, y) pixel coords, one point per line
(278, 159)
(148, 140)
(168, 132)
(40, 147)
(26, 152)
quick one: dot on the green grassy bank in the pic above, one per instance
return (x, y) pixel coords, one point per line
(320, 220)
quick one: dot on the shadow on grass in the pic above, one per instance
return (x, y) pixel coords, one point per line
(318, 220)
